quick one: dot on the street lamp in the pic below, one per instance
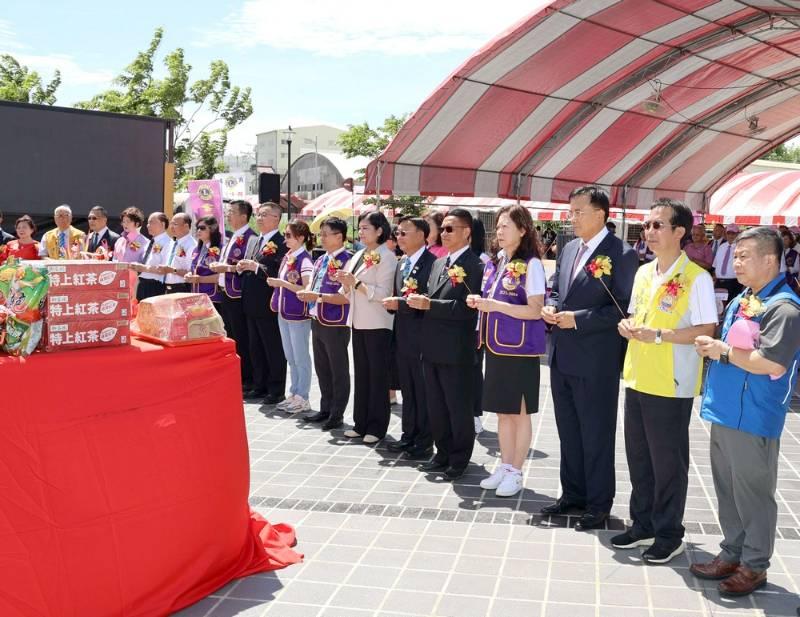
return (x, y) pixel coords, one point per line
(288, 133)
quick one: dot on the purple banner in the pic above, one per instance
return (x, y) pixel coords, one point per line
(205, 199)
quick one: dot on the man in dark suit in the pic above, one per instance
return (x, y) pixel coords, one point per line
(586, 356)
(266, 351)
(448, 346)
(413, 272)
(100, 236)
(4, 236)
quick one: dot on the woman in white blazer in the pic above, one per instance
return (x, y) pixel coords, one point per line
(367, 279)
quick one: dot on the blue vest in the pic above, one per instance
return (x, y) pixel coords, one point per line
(502, 334)
(743, 401)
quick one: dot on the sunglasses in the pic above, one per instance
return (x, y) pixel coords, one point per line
(656, 225)
(448, 229)
(91, 218)
(201, 228)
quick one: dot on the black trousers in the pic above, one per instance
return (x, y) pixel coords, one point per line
(332, 365)
(586, 418)
(478, 380)
(177, 288)
(371, 350)
(450, 391)
(236, 324)
(266, 353)
(657, 448)
(148, 288)
(416, 425)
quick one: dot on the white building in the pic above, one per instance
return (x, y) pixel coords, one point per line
(272, 149)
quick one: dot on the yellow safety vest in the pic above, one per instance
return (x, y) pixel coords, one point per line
(648, 367)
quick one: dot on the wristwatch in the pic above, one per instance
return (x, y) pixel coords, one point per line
(659, 340)
(358, 284)
(724, 357)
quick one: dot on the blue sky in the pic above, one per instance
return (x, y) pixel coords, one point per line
(307, 61)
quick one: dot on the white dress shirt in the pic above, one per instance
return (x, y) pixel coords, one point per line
(158, 255)
(185, 245)
(591, 248)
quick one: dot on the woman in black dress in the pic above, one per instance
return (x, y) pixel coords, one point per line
(513, 336)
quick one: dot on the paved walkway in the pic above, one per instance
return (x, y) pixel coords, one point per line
(382, 539)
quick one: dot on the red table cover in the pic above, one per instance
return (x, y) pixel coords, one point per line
(124, 478)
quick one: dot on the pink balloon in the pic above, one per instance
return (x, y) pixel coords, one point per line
(745, 334)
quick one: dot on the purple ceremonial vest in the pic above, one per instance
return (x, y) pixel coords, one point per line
(233, 281)
(502, 334)
(331, 314)
(200, 267)
(285, 301)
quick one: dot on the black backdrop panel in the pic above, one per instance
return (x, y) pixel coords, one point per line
(50, 156)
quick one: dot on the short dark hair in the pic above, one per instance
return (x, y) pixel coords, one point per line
(24, 219)
(300, 229)
(161, 217)
(134, 214)
(786, 233)
(597, 197)
(100, 210)
(243, 207)
(463, 215)
(768, 240)
(335, 224)
(418, 222)
(215, 235)
(681, 216)
(378, 221)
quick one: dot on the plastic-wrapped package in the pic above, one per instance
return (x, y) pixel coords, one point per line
(24, 301)
(178, 319)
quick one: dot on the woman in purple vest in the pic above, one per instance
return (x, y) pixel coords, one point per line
(209, 247)
(131, 246)
(513, 335)
(294, 322)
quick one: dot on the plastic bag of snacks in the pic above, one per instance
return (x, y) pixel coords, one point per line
(24, 301)
(178, 319)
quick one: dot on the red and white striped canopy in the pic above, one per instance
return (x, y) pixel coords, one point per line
(763, 198)
(339, 198)
(648, 98)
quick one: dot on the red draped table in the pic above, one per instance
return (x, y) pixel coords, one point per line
(124, 478)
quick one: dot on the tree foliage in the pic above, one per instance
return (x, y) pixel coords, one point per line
(21, 85)
(213, 103)
(785, 153)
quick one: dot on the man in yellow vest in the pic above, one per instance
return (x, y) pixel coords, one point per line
(65, 241)
(672, 303)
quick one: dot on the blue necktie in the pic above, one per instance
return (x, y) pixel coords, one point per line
(406, 269)
(62, 242)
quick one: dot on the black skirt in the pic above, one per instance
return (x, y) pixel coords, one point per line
(507, 380)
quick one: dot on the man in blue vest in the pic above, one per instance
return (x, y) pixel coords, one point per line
(748, 389)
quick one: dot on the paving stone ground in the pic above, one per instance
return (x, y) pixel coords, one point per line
(382, 539)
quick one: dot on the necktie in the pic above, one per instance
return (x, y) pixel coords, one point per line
(172, 252)
(725, 261)
(148, 251)
(62, 240)
(446, 268)
(578, 258)
(321, 274)
(406, 269)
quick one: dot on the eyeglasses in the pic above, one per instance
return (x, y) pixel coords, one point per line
(91, 218)
(576, 214)
(656, 225)
(201, 228)
(448, 229)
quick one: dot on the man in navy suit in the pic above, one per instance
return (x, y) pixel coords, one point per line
(412, 274)
(586, 356)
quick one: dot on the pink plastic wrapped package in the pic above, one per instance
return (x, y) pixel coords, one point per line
(178, 319)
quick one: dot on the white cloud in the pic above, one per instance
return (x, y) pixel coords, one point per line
(8, 37)
(72, 73)
(351, 27)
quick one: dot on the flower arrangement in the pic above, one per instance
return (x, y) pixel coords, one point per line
(674, 286)
(750, 306)
(599, 266)
(373, 258)
(181, 252)
(239, 240)
(213, 252)
(516, 269)
(156, 248)
(410, 286)
(291, 260)
(134, 246)
(334, 265)
(270, 248)
(457, 276)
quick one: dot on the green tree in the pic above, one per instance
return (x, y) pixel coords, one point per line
(784, 153)
(21, 85)
(213, 100)
(362, 140)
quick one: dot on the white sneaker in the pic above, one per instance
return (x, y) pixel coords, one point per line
(286, 403)
(300, 405)
(478, 425)
(511, 485)
(371, 439)
(350, 433)
(493, 481)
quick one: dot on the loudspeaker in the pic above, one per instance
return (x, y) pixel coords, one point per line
(269, 188)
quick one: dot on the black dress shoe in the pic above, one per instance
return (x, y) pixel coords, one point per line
(320, 416)
(561, 506)
(591, 520)
(418, 454)
(254, 393)
(454, 473)
(400, 445)
(273, 399)
(433, 465)
(331, 423)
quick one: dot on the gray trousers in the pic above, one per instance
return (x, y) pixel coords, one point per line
(745, 471)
